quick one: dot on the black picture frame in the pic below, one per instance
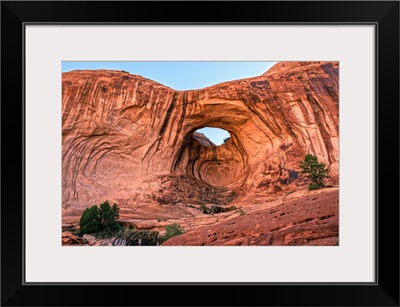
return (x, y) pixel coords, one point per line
(383, 14)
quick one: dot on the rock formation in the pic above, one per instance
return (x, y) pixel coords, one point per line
(132, 141)
(312, 220)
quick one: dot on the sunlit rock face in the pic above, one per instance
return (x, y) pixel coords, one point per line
(132, 141)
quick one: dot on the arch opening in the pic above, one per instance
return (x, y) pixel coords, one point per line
(216, 136)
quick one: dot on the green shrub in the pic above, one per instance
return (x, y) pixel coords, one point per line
(90, 221)
(106, 233)
(109, 215)
(172, 231)
(203, 208)
(215, 209)
(314, 171)
(102, 221)
(313, 186)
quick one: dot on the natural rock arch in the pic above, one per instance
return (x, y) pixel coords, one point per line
(131, 140)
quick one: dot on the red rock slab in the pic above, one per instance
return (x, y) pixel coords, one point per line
(312, 220)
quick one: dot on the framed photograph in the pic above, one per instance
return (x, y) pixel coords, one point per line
(251, 148)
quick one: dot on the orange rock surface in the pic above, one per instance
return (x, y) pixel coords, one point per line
(312, 220)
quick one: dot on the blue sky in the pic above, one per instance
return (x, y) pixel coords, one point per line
(216, 135)
(182, 75)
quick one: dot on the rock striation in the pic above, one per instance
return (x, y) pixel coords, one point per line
(132, 141)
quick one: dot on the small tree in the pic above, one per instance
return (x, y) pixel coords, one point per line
(315, 171)
(103, 219)
(109, 215)
(172, 231)
(90, 221)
